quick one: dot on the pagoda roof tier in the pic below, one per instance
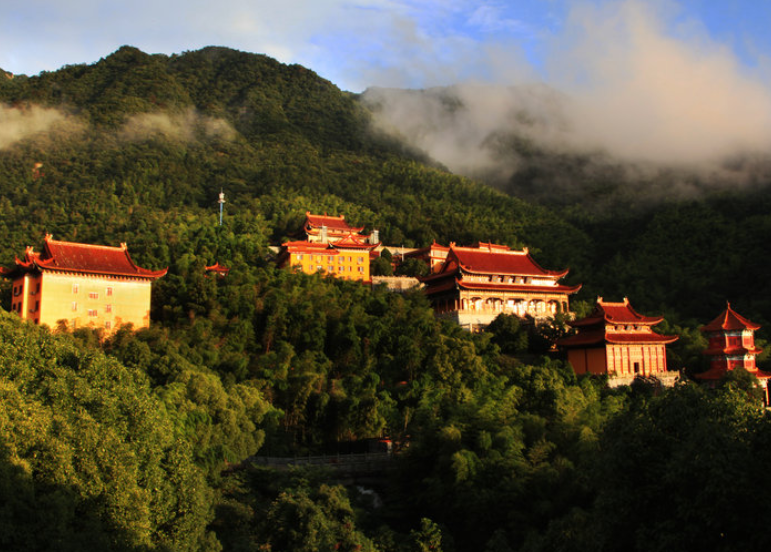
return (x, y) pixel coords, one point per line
(729, 320)
(602, 337)
(83, 258)
(732, 351)
(616, 314)
(716, 373)
(314, 223)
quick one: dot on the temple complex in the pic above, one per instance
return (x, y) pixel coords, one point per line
(473, 285)
(732, 345)
(616, 341)
(81, 285)
(329, 229)
(347, 258)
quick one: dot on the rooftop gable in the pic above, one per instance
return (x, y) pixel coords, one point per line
(730, 320)
(334, 224)
(85, 258)
(616, 314)
(497, 259)
(352, 241)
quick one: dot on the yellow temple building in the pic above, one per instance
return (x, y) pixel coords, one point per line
(347, 258)
(81, 285)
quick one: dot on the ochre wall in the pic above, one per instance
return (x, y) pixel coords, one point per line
(84, 301)
(344, 264)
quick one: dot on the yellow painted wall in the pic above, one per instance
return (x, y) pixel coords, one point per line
(84, 301)
(350, 265)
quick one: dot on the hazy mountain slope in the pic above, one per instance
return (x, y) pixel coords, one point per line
(157, 132)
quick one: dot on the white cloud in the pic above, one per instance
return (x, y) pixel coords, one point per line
(18, 124)
(635, 82)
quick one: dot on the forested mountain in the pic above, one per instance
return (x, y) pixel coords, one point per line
(136, 441)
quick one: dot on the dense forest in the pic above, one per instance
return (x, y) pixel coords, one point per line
(141, 440)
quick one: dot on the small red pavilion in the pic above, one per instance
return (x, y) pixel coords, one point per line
(617, 341)
(732, 345)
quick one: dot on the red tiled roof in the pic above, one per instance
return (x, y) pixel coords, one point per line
(616, 313)
(218, 268)
(85, 258)
(302, 246)
(334, 224)
(643, 337)
(497, 260)
(351, 241)
(729, 320)
(600, 336)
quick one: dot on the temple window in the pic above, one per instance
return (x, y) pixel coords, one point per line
(108, 308)
(74, 305)
(75, 288)
(92, 312)
(109, 292)
(93, 295)
(107, 325)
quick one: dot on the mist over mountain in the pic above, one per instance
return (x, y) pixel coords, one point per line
(625, 102)
(533, 141)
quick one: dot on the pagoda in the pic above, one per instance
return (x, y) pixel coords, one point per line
(731, 345)
(81, 285)
(347, 258)
(475, 284)
(617, 341)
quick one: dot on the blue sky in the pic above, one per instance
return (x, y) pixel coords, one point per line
(360, 43)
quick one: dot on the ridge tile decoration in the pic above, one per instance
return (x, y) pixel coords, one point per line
(473, 285)
(617, 341)
(78, 285)
(731, 345)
